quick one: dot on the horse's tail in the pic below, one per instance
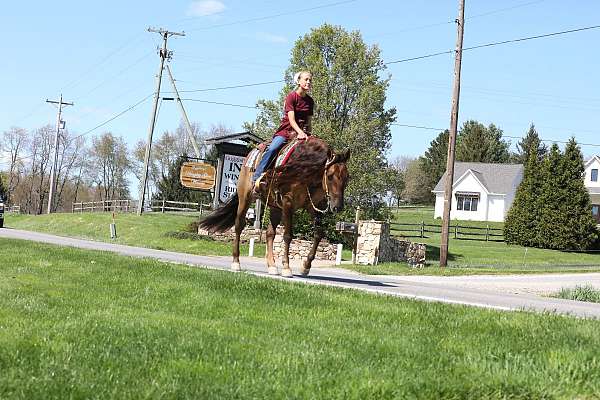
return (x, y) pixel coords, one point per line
(223, 217)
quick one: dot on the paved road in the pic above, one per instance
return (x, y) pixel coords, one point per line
(511, 292)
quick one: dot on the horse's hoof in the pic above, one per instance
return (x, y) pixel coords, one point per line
(273, 271)
(305, 271)
(286, 273)
(235, 267)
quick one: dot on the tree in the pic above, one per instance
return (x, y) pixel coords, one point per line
(13, 142)
(577, 229)
(524, 146)
(550, 198)
(108, 166)
(415, 190)
(350, 110)
(433, 162)
(3, 191)
(522, 220)
(478, 143)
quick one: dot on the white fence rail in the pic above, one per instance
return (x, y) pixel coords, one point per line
(131, 206)
(13, 209)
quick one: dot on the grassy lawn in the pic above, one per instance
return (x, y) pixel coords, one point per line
(82, 324)
(150, 230)
(491, 257)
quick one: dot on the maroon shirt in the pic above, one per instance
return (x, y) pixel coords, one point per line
(302, 108)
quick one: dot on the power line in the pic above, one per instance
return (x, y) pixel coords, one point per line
(503, 135)
(244, 21)
(496, 44)
(231, 87)
(221, 104)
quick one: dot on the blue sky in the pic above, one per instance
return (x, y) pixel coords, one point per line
(99, 55)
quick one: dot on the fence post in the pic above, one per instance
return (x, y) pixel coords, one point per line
(456, 231)
(422, 229)
(487, 232)
(163, 205)
(72, 208)
(200, 208)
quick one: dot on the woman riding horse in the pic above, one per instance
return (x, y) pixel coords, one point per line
(297, 113)
(314, 178)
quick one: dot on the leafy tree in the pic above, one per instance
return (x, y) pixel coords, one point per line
(478, 143)
(108, 165)
(433, 162)
(415, 191)
(350, 111)
(524, 146)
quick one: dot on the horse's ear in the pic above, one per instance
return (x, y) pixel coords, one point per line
(344, 156)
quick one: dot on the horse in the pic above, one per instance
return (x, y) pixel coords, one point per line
(314, 178)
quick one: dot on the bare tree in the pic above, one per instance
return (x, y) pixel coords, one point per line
(71, 156)
(14, 142)
(108, 165)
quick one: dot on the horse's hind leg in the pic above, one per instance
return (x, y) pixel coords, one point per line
(286, 271)
(240, 223)
(275, 218)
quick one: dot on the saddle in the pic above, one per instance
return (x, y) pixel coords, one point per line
(269, 181)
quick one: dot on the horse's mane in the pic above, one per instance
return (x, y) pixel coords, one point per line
(308, 159)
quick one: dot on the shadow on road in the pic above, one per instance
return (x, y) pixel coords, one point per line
(346, 280)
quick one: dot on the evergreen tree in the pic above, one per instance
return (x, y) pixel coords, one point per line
(552, 195)
(521, 224)
(433, 162)
(531, 140)
(578, 228)
(477, 143)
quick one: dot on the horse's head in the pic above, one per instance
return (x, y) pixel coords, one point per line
(336, 176)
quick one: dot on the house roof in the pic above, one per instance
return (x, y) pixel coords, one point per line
(496, 178)
(588, 162)
(247, 137)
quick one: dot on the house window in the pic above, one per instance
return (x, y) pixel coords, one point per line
(594, 175)
(467, 202)
(596, 212)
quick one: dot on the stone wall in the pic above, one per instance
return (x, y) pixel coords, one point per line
(299, 248)
(375, 245)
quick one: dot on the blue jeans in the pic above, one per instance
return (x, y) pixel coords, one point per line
(270, 152)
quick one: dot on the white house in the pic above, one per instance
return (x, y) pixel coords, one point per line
(593, 185)
(481, 191)
(485, 192)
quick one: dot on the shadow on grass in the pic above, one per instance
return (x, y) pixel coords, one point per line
(433, 254)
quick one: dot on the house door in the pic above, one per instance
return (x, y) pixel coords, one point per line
(596, 212)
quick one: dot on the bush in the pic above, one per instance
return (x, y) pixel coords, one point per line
(580, 293)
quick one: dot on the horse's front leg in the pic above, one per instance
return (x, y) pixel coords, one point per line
(315, 244)
(275, 218)
(240, 223)
(287, 211)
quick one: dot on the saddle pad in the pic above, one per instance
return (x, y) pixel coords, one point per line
(286, 152)
(251, 158)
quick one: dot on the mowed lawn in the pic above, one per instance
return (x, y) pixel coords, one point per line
(150, 230)
(83, 324)
(482, 255)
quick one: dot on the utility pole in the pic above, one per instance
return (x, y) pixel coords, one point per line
(460, 21)
(59, 123)
(184, 114)
(164, 54)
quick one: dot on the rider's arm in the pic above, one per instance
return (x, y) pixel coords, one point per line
(294, 124)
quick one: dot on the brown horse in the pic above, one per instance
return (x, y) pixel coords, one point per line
(314, 178)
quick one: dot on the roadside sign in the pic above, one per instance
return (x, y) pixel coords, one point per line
(197, 175)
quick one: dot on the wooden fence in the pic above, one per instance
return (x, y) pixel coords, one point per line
(131, 206)
(486, 233)
(13, 209)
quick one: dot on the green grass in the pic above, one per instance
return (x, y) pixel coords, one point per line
(482, 256)
(580, 293)
(151, 230)
(82, 324)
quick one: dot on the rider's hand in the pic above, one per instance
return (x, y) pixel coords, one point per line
(301, 136)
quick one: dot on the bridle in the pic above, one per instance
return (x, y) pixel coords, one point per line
(326, 186)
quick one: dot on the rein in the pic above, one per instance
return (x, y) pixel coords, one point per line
(323, 184)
